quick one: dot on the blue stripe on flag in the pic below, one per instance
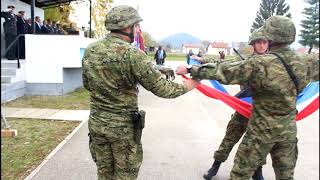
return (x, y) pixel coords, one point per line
(218, 86)
(247, 99)
(215, 83)
(308, 92)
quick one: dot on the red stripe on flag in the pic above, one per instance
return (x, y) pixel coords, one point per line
(240, 106)
(308, 110)
(243, 107)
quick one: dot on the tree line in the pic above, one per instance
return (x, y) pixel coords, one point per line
(309, 35)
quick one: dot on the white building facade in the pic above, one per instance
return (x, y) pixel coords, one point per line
(215, 47)
(194, 47)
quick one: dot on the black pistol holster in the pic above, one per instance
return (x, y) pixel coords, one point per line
(138, 119)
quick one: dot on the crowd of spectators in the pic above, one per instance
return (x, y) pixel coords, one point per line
(16, 24)
(52, 27)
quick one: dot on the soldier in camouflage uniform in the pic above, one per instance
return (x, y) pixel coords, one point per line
(238, 123)
(272, 126)
(112, 68)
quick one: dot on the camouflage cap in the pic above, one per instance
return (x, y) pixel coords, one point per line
(279, 29)
(257, 35)
(121, 17)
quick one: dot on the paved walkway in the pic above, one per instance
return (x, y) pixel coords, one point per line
(54, 114)
(178, 143)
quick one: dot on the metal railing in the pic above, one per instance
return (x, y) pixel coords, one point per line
(3, 118)
(11, 45)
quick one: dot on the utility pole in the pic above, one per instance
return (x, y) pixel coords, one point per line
(32, 16)
(90, 20)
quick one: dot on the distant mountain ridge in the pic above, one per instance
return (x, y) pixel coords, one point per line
(176, 40)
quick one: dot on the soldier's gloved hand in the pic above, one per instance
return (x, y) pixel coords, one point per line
(181, 70)
(190, 84)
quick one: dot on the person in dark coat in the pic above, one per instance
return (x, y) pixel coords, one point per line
(189, 55)
(22, 28)
(200, 53)
(28, 23)
(10, 31)
(54, 27)
(37, 25)
(49, 27)
(72, 29)
(222, 55)
(44, 27)
(59, 29)
(160, 56)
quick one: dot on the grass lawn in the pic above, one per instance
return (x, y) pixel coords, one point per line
(180, 57)
(78, 99)
(35, 140)
(170, 57)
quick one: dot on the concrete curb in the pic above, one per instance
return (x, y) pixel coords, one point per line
(34, 172)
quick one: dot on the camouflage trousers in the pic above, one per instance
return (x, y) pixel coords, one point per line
(236, 128)
(253, 151)
(114, 151)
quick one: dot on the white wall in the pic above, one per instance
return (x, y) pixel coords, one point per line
(186, 50)
(19, 6)
(20, 73)
(47, 55)
(215, 51)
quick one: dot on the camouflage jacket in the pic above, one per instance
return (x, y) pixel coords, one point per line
(273, 92)
(312, 62)
(112, 68)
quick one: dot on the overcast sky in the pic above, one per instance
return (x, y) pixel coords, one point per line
(214, 20)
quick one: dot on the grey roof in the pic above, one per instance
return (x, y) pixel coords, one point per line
(48, 3)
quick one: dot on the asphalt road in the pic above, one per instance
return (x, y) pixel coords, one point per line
(179, 140)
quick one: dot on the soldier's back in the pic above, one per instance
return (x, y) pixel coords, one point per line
(274, 94)
(108, 70)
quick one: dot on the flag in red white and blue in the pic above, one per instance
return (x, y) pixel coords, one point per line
(307, 100)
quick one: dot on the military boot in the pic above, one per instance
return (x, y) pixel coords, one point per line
(258, 174)
(213, 170)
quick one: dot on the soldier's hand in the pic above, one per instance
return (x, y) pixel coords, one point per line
(190, 84)
(181, 70)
